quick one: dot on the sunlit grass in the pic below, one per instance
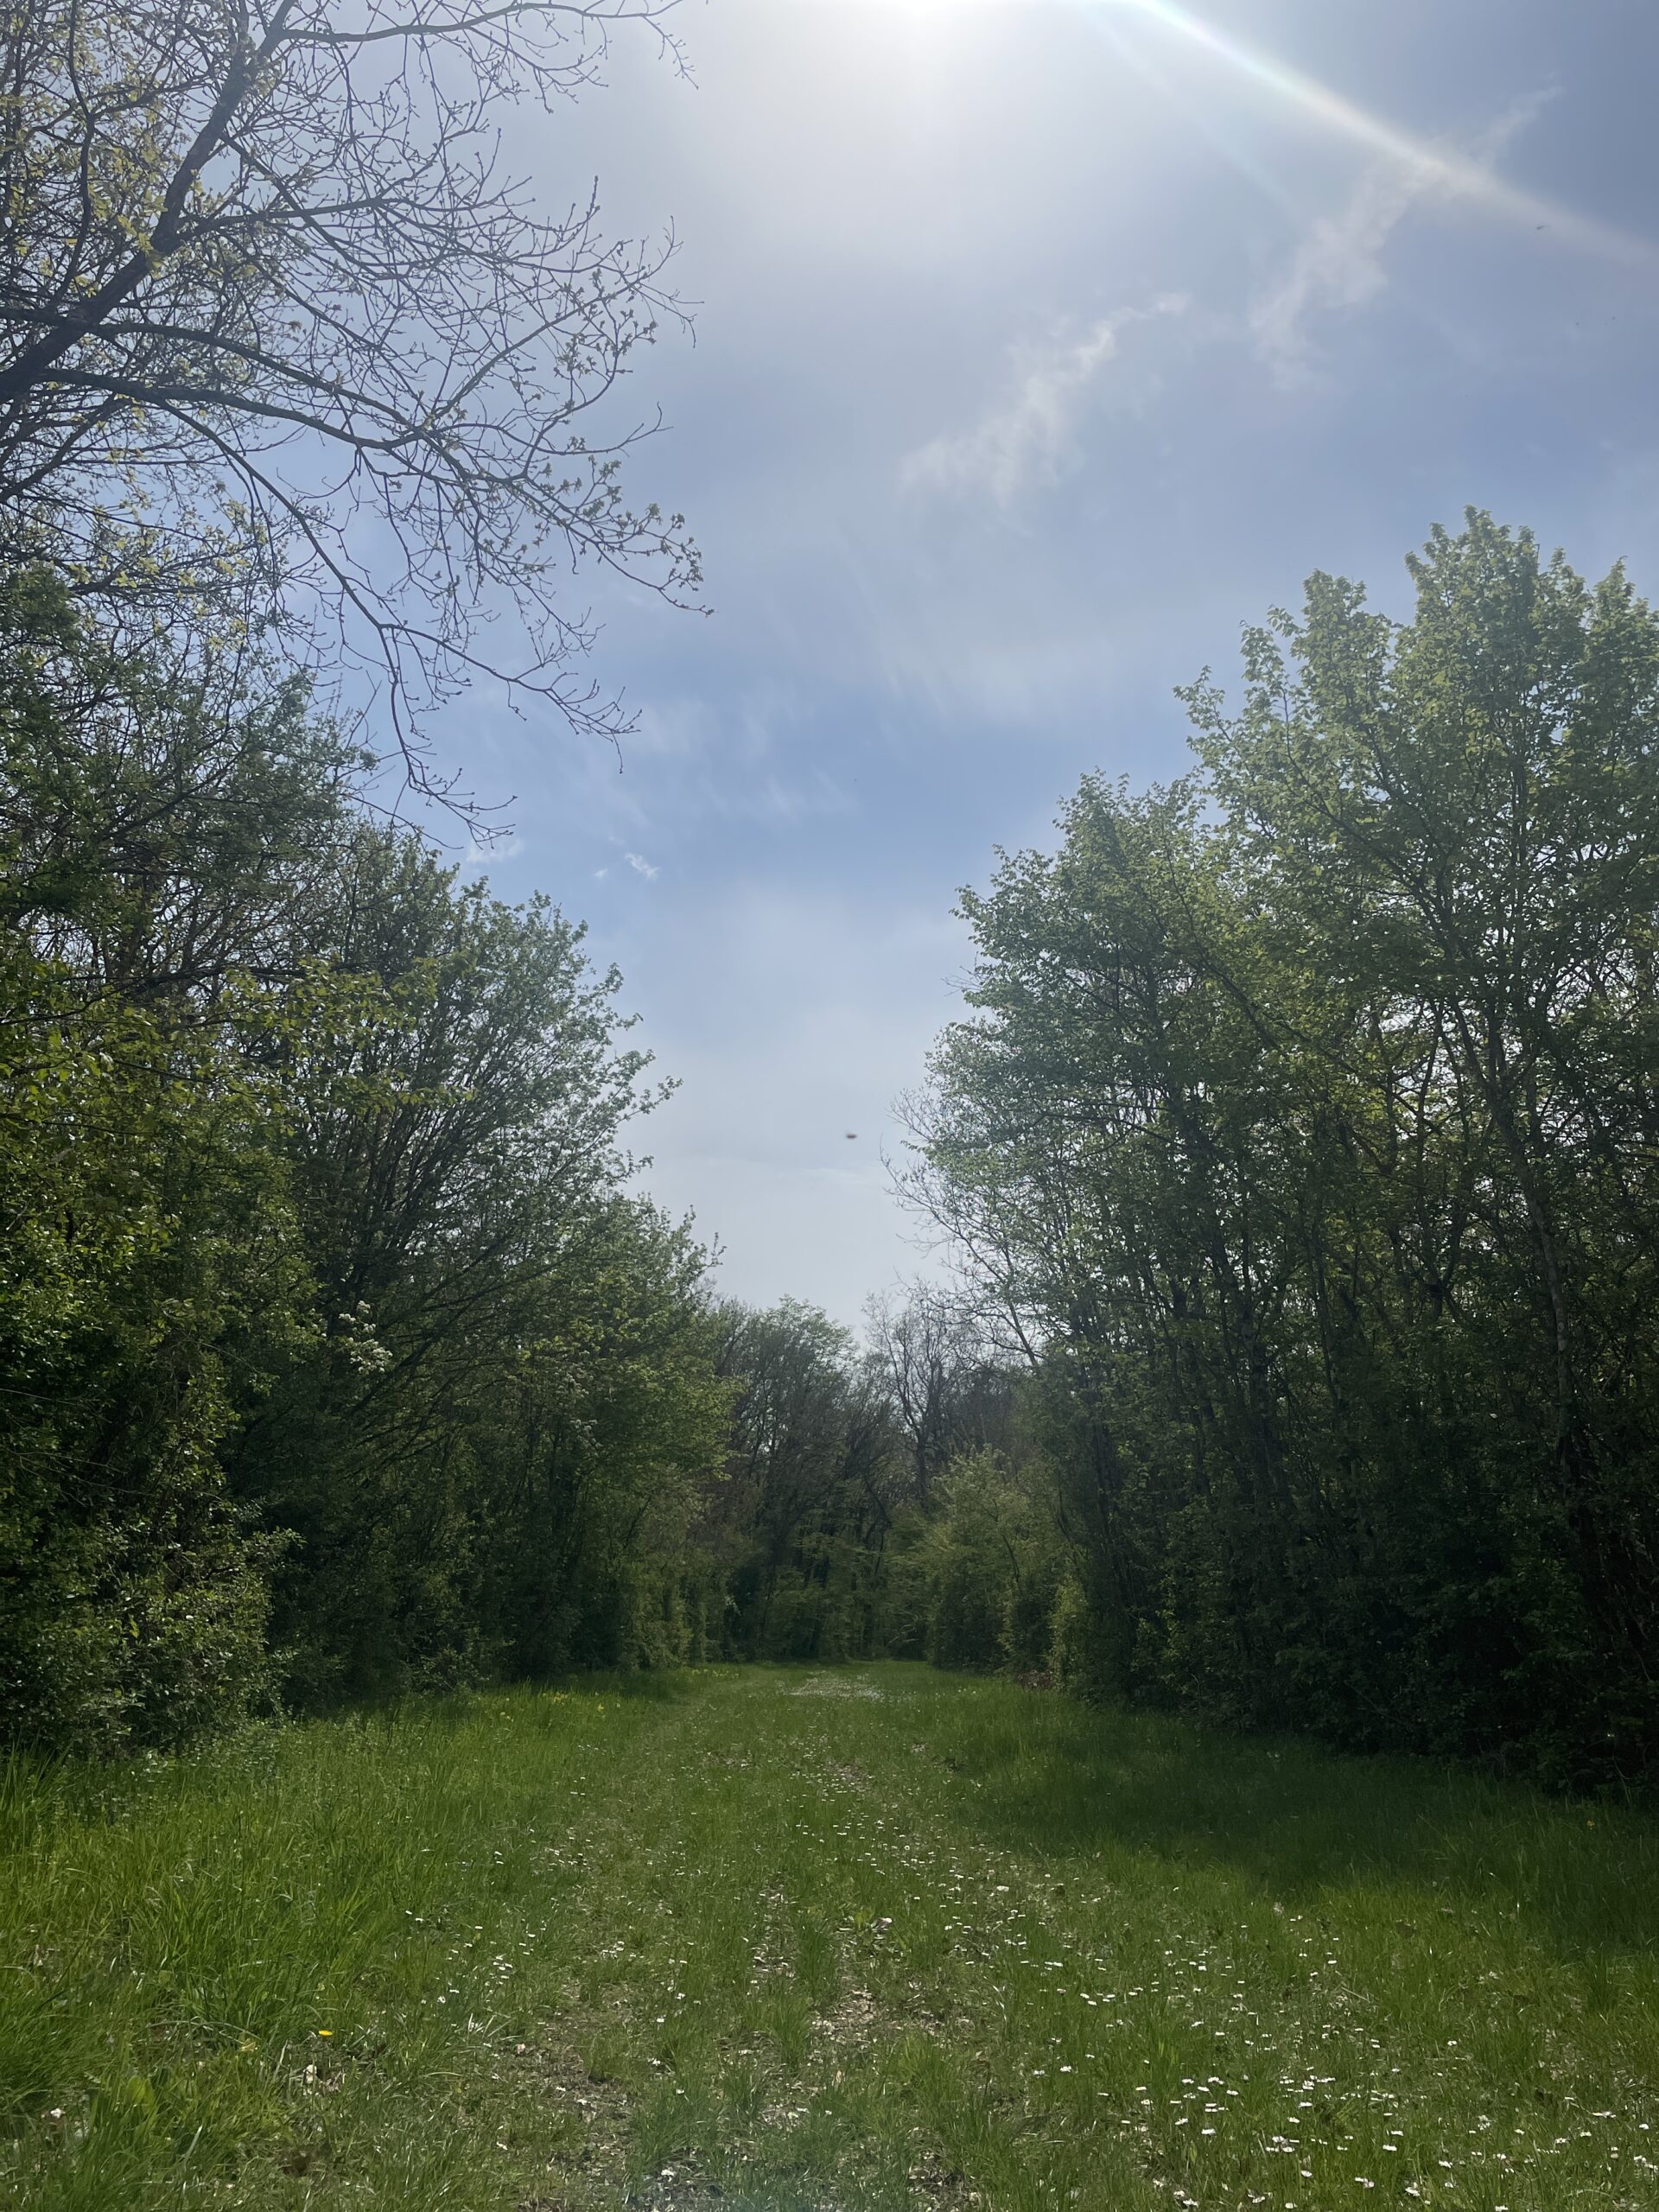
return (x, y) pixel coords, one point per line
(777, 1939)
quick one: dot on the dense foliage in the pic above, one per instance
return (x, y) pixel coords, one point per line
(1299, 1147)
(339, 1358)
(882, 1502)
(1305, 1125)
(336, 1354)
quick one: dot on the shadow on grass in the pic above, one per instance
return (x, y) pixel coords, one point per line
(1058, 1781)
(453, 1710)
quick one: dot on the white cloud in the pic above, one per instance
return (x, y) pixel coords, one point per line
(484, 852)
(643, 867)
(1025, 441)
(1340, 263)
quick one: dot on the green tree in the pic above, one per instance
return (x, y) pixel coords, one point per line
(456, 1125)
(1303, 1129)
(151, 1278)
(153, 811)
(171, 809)
(327, 1322)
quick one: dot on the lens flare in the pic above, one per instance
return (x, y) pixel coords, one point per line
(1454, 172)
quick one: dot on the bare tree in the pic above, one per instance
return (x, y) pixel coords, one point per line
(948, 1393)
(267, 287)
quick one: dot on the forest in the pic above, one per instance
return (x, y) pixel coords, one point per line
(1145, 1703)
(1291, 1362)
(1296, 1149)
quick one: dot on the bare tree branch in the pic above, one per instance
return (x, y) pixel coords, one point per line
(246, 245)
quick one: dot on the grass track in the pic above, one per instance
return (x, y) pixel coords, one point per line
(785, 1940)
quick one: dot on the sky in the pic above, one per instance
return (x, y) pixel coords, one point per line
(1040, 344)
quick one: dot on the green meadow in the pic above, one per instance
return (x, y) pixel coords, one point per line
(874, 1937)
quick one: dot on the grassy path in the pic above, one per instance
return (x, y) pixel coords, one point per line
(780, 1940)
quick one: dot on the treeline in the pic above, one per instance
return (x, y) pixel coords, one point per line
(1300, 1150)
(337, 1357)
(845, 1525)
(1304, 1128)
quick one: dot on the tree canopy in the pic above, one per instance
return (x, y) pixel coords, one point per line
(338, 1355)
(1304, 1121)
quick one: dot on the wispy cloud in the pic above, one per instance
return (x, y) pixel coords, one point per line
(641, 866)
(1026, 441)
(1339, 265)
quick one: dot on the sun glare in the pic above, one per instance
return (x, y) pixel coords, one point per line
(1458, 173)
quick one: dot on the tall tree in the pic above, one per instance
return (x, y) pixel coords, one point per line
(267, 283)
(455, 1093)
(1304, 1123)
(935, 1363)
(162, 813)
(320, 1282)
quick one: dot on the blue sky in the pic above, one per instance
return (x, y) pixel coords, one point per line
(1040, 344)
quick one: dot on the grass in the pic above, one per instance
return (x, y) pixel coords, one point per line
(791, 1941)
